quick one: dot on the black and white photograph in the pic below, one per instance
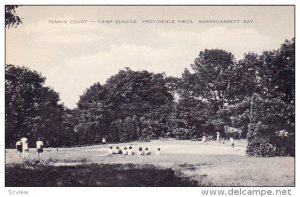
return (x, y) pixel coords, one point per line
(150, 96)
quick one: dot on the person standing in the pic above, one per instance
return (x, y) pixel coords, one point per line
(231, 142)
(25, 147)
(218, 136)
(203, 139)
(39, 148)
(103, 141)
(19, 148)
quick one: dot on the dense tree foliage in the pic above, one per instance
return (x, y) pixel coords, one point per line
(266, 104)
(205, 92)
(128, 107)
(11, 19)
(273, 109)
(255, 95)
(31, 109)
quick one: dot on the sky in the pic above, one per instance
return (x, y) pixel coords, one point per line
(76, 46)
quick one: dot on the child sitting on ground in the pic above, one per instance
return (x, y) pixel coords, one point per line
(130, 151)
(110, 150)
(119, 151)
(125, 152)
(115, 151)
(147, 152)
(141, 152)
(158, 151)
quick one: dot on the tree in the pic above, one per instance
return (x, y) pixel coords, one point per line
(274, 108)
(269, 116)
(136, 92)
(11, 19)
(265, 105)
(245, 78)
(68, 136)
(278, 72)
(204, 92)
(31, 109)
(114, 109)
(212, 72)
(94, 116)
(244, 83)
(94, 94)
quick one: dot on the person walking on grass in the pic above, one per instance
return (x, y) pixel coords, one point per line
(19, 148)
(25, 147)
(39, 148)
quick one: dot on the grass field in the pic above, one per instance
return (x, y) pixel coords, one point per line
(181, 163)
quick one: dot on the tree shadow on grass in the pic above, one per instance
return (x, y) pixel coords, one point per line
(95, 175)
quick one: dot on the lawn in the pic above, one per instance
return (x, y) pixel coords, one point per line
(181, 163)
(95, 175)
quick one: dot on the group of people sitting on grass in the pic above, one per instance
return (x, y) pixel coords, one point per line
(130, 151)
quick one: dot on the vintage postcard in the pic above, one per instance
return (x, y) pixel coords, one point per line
(150, 96)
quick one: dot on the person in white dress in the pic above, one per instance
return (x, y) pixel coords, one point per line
(25, 147)
(103, 141)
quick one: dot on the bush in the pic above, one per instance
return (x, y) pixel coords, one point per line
(260, 146)
(262, 142)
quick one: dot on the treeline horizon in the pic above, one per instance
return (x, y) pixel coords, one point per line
(255, 94)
